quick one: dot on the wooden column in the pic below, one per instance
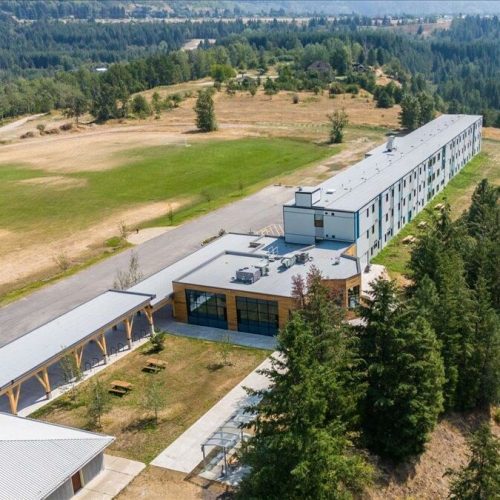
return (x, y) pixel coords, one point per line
(43, 378)
(13, 395)
(101, 342)
(78, 353)
(128, 323)
(148, 311)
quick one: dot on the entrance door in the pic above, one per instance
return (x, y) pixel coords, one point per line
(76, 481)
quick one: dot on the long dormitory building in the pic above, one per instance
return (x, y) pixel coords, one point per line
(370, 202)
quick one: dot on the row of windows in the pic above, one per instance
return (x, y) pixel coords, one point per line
(206, 308)
(253, 315)
(257, 316)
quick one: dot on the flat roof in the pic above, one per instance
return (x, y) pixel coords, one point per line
(38, 457)
(357, 185)
(220, 272)
(160, 283)
(38, 347)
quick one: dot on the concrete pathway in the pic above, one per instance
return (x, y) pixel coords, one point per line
(165, 323)
(184, 454)
(118, 472)
(252, 213)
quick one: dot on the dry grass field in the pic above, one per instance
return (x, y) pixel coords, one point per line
(57, 165)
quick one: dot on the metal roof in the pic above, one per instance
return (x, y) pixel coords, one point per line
(37, 457)
(357, 185)
(36, 348)
(220, 272)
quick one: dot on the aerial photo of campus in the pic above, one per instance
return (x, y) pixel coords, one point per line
(250, 249)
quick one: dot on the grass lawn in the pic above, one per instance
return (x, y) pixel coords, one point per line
(193, 382)
(395, 256)
(207, 174)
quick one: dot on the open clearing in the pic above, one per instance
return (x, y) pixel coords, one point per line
(66, 194)
(395, 256)
(193, 381)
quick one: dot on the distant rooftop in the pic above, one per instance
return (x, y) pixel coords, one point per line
(357, 185)
(37, 457)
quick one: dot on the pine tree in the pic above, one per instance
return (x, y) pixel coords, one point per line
(205, 112)
(480, 479)
(410, 112)
(301, 448)
(404, 375)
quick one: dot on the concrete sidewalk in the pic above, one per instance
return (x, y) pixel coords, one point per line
(184, 454)
(118, 472)
(167, 324)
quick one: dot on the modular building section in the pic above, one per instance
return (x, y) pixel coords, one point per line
(370, 202)
(253, 292)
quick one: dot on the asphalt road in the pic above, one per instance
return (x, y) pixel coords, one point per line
(252, 213)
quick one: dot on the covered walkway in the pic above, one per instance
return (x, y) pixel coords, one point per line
(30, 356)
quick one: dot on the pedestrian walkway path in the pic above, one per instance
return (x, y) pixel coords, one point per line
(215, 334)
(118, 472)
(185, 453)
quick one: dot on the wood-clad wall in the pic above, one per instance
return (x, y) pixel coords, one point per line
(285, 304)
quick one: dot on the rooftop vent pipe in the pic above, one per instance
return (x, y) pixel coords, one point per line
(390, 143)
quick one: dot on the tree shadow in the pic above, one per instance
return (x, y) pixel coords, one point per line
(213, 367)
(140, 425)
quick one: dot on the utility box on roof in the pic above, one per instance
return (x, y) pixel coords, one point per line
(307, 196)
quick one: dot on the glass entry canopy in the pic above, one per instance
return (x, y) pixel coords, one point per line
(206, 308)
(257, 316)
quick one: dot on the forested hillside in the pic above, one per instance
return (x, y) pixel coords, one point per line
(456, 70)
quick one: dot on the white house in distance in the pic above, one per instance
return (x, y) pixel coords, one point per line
(369, 202)
(39, 460)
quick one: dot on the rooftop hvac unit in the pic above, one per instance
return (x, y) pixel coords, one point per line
(288, 262)
(248, 274)
(263, 268)
(336, 261)
(302, 258)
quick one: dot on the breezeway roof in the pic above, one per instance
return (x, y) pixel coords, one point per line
(37, 457)
(37, 348)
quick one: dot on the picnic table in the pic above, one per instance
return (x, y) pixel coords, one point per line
(154, 365)
(120, 387)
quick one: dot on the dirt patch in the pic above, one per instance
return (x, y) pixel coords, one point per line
(425, 477)
(55, 181)
(155, 483)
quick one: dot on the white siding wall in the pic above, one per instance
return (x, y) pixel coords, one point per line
(384, 216)
(405, 199)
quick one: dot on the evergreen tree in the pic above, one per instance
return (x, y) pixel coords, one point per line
(140, 106)
(427, 111)
(384, 99)
(300, 449)
(480, 478)
(205, 112)
(404, 375)
(410, 112)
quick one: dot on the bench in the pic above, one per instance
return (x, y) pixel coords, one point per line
(154, 365)
(120, 387)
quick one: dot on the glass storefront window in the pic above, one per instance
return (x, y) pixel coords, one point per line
(206, 308)
(353, 297)
(257, 316)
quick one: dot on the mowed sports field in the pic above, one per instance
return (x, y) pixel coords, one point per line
(64, 196)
